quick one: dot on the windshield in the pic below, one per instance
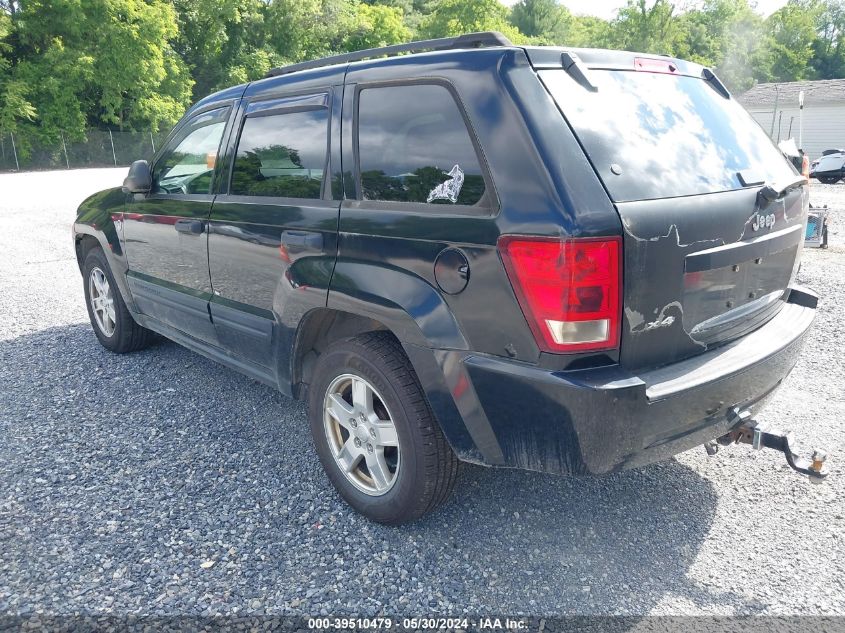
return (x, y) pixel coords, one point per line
(654, 135)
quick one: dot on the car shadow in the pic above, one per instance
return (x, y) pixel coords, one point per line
(162, 479)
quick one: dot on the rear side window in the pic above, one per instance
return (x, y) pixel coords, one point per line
(282, 155)
(653, 135)
(414, 146)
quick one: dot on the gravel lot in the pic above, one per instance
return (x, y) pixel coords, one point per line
(160, 482)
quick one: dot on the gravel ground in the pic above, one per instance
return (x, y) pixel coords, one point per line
(159, 482)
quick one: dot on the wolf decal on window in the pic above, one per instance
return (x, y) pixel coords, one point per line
(449, 190)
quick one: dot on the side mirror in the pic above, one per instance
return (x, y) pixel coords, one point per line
(139, 180)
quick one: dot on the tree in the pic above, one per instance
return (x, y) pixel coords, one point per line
(376, 25)
(222, 41)
(306, 29)
(588, 30)
(547, 21)
(649, 29)
(726, 35)
(455, 17)
(829, 46)
(14, 103)
(791, 34)
(99, 61)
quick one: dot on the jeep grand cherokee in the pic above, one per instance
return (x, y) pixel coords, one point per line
(570, 261)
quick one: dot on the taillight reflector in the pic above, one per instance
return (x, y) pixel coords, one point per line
(569, 290)
(805, 167)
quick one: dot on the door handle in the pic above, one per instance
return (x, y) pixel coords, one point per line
(303, 240)
(195, 227)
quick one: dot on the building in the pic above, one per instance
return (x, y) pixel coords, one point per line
(775, 107)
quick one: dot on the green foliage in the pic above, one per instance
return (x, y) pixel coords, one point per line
(14, 104)
(588, 30)
(792, 30)
(542, 20)
(222, 42)
(650, 29)
(85, 62)
(729, 36)
(829, 44)
(376, 25)
(454, 17)
(66, 65)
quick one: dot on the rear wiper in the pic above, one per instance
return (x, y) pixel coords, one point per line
(778, 189)
(573, 65)
(710, 77)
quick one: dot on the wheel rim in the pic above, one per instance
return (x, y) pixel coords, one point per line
(102, 302)
(361, 434)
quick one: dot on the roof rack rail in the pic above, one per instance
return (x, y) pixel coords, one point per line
(470, 40)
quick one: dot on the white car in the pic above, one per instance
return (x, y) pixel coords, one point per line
(830, 167)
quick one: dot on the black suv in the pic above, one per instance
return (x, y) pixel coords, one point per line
(542, 258)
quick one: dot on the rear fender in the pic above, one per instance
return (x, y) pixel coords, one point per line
(417, 315)
(405, 303)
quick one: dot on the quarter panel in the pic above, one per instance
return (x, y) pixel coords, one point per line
(404, 302)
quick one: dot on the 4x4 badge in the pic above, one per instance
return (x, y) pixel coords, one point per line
(449, 190)
(763, 221)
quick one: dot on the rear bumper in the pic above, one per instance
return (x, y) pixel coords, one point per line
(601, 420)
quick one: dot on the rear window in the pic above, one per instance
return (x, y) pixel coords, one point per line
(653, 135)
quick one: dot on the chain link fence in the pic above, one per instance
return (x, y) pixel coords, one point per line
(101, 148)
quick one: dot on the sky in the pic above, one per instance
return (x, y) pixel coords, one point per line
(607, 8)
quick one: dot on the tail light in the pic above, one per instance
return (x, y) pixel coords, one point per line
(805, 167)
(569, 290)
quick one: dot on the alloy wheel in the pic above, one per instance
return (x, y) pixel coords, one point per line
(361, 434)
(102, 301)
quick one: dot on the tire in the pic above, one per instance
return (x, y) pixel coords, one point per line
(117, 331)
(828, 180)
(412, 479)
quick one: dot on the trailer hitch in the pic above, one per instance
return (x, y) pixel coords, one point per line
(750, 431)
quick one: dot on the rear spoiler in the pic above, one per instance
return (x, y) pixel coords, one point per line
(578, 62)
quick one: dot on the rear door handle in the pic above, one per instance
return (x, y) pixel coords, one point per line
(303, 240)
(195, 227)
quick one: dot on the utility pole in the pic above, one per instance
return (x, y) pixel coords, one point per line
(64, 147)
(801, 120)
(15, 151)
(113, 155)
(775, 112)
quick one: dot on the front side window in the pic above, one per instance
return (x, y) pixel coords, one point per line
(187, 164)
(282, 155)
(414, 146)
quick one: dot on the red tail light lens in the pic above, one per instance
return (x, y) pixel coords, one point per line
(805, 167)
(569, 290)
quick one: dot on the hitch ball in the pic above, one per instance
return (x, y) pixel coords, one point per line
(819, 458)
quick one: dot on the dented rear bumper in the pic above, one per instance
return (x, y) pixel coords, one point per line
(596, 421)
